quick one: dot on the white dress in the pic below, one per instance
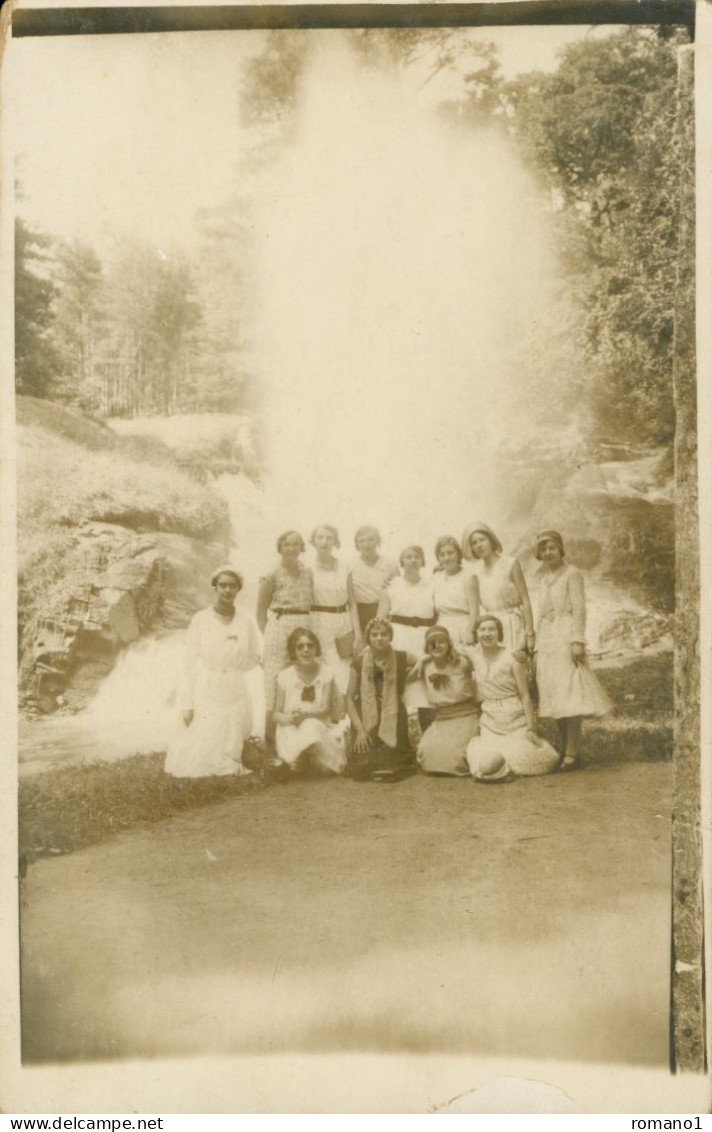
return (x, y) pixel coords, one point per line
(450, 592)
(503, 722)
(500, 596)
(331, 590)
(325, 737)
(213, 686)
(412, 600)
(566, 689)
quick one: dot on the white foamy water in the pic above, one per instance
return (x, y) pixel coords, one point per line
(408, 301)
(406, 289)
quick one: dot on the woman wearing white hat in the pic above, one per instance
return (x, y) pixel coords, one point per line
(502, 585)
(222, 644)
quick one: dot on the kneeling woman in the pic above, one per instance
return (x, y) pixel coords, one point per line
(374, 700)
(508, 742)
(221, 645)
(448, 682)
(307, 705)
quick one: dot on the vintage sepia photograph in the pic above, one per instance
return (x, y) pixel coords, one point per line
(357, 543)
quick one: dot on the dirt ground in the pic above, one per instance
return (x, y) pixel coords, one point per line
(431, 915)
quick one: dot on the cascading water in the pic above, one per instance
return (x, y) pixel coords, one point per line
(407, 302)
(135, 710)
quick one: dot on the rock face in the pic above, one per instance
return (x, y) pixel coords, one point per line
(125, 585)
(617, 516)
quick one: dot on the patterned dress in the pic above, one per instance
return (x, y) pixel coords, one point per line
(217, 654)
(290, 608)
(321, 702)
(566, 689)
(500, 596)
(503, 722)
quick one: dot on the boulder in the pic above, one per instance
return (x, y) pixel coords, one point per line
(122, 586)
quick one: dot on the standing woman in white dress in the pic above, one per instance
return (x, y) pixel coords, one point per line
(568, 690)
(222, 644)
(370, 574)
(502, 586)
(334, 613)
(284, 602)
(456, 593)
(408, 603)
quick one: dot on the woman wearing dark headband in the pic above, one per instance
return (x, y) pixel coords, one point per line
(380, 744)
(447, 676)
(568, 690)
(307, 707)
(221, 645)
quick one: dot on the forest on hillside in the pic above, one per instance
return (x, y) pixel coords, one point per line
(141, 332)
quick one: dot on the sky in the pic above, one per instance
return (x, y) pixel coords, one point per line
(134, 133)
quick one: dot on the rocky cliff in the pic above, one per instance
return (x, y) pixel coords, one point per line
(114, 541)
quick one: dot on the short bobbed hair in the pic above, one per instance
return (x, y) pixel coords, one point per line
(378, 623)
(294, 638)
(495, 620)
(367, 530)
(326, 527)
(418, 550)
(448, 540)
(288, 534)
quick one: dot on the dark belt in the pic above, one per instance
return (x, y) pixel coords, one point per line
(413, 622)
(290, 612)
(330, 609)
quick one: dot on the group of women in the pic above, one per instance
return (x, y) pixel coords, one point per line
(379, 645)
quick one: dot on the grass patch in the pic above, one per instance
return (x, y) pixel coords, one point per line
(71, 808)
(63, 484)
(641, 727)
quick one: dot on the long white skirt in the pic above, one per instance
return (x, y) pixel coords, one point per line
(521, 756)
(411, 638)
(212, 744)
(457, 626)
(326, 740)
(566, 689)
(329, 626)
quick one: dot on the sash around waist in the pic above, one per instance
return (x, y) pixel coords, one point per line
(454, 711)
(413, 622)
(330, 609)
(283, 611)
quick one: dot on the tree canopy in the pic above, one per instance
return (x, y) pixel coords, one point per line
(149, 334)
